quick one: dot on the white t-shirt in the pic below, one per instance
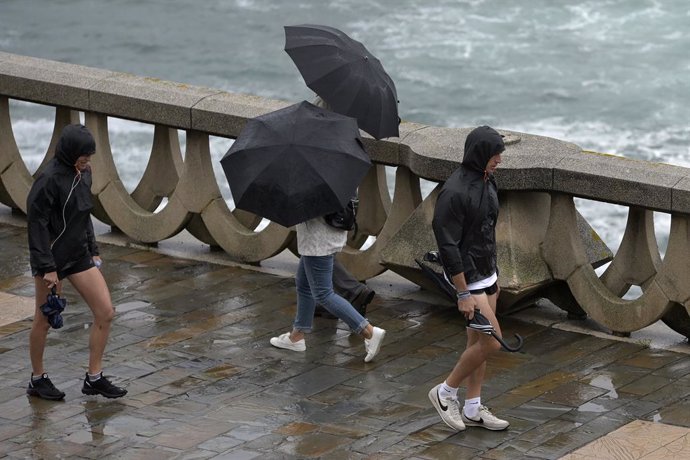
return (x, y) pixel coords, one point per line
(482, 284)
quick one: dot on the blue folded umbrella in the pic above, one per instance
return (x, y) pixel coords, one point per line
(53, 307)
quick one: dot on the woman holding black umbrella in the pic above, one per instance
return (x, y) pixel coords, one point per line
(293, 166)
(62, 245)
(317, 243)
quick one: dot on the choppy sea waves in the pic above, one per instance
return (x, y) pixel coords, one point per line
(608, 75)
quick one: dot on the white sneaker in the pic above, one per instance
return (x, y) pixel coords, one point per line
(447, 408)
(373, 345)
(485, 419)
(283, 341)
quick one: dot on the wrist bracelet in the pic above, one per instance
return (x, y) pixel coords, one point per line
(462, 295)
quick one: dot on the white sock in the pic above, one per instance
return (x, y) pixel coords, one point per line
(94, 377)
(472, 407)
(447, 392)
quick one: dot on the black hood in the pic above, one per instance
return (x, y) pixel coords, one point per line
(481, 144)
(75, 141)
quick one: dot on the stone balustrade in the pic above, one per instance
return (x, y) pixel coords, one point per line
(547, 249)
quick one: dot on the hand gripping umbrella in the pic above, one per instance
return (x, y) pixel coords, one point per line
(482, 324)
(296, 163)
(53, 308)
(346, 75)
(478, 322)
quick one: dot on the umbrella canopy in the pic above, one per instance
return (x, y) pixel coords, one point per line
(53, 308)
(296, 163)
(346, 75)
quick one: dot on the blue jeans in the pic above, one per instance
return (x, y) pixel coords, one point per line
(314, 282)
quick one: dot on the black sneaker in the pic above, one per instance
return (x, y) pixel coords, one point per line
(102, 387)
(44, 388)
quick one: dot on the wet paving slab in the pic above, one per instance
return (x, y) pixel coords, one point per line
(190, 343)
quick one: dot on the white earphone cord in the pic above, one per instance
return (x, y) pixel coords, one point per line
(75, 182)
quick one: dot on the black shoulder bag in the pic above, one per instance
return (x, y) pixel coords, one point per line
(346, 218)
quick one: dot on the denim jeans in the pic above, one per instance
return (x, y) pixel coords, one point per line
(314, 282)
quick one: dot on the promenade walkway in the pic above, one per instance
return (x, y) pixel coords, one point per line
(190, 342)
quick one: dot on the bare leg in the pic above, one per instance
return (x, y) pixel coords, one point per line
(39, 327)
(475, 380)
(480, 346)
(92, 287)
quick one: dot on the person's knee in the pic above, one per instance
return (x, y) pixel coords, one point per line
(321, 295)
(105, 315)
(492, 346)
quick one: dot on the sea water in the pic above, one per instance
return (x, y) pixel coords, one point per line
(608, 75)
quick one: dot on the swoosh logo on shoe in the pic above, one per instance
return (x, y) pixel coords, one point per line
(444, 408)
(480, 421)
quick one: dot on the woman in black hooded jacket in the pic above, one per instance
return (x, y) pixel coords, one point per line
(62, 245)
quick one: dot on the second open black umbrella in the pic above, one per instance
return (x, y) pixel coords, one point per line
(346, 75)
(296, 163)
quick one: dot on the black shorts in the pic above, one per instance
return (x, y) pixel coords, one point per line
(79, 266)
(493, 289)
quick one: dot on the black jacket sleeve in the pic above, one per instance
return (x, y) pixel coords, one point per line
(40, 205)
(448, 222)
(91, 239)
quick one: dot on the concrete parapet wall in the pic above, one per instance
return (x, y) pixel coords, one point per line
(544, 242)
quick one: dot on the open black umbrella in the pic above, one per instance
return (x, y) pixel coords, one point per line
(53, 308)
(296, 163)
(346, 75)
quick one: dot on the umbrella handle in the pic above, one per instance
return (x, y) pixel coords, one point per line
(507, 347)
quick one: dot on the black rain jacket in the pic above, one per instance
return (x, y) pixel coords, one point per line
(61, 188)
(466, 211)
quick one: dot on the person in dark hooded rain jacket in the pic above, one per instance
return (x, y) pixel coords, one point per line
(464, 225)
(62, 245)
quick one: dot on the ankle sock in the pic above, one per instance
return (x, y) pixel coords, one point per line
(94, 377)
(447, 392)
(472, 407)
(36, 378)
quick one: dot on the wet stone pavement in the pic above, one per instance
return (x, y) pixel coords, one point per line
(190, 343)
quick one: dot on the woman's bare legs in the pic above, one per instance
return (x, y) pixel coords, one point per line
(39, 326)
(92, 287)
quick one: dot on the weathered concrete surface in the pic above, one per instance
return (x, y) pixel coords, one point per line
(190, 342)
(520, 232)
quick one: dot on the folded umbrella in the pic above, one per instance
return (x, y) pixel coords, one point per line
(478, 322)
(439, 280)
(296, 163)
(53, 308)
(346, 75)
(482, 324)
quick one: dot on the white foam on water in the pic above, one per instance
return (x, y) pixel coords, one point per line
(32, 126)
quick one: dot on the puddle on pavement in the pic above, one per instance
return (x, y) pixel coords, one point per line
(605, 382)
(592, 407)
